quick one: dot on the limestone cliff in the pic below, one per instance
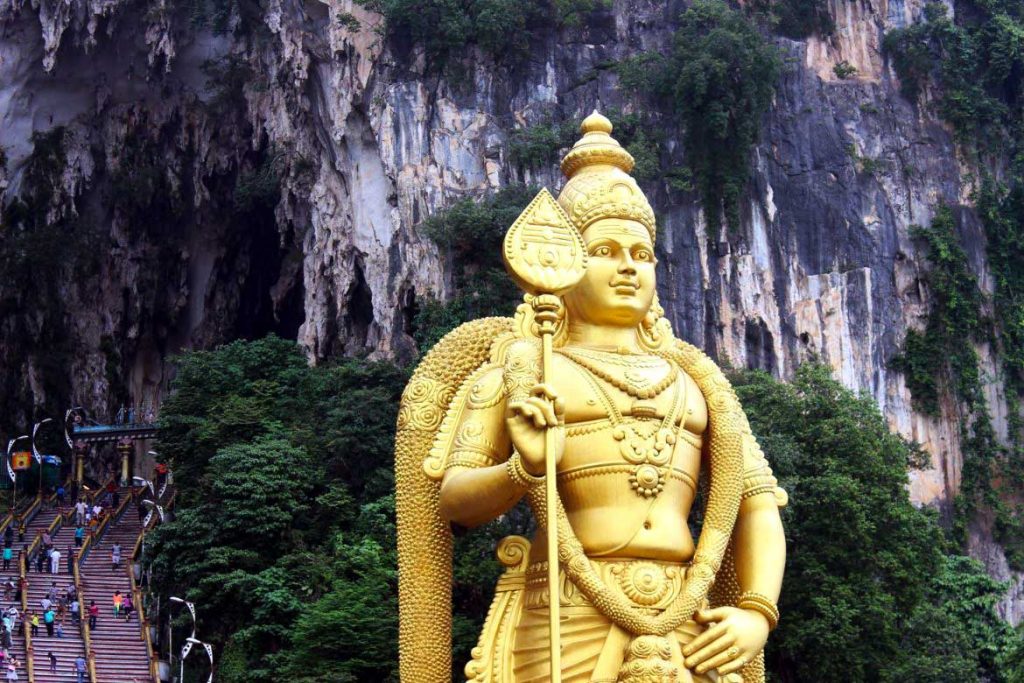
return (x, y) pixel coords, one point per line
(291, 153)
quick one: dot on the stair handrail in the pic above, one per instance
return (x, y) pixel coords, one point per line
(154, 657)
(25, 620)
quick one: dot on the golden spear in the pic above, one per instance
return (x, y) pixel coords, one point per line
(545, 255)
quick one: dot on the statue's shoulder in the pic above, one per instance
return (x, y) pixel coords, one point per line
(470, 357)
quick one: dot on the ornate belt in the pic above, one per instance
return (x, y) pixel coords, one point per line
(648, 584)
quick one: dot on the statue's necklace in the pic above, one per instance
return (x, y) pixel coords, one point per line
(647, 448)
(634, 381)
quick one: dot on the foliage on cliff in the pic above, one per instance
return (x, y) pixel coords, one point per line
(445, 29)
(973, 66)
(469, 234)
(717, 81)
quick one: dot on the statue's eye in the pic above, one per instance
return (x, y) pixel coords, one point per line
(602, 251)
(643, 255)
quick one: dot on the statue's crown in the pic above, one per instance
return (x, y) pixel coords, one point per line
(599, 184)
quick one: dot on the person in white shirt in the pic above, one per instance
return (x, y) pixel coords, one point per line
(55, 561)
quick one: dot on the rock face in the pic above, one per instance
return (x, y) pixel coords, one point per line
(293, 154)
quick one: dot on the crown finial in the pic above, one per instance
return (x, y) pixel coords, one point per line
(596, 148)
(596, 123)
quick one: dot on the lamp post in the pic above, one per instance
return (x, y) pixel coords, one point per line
(170, 630)
(35, 452)
(189, 642)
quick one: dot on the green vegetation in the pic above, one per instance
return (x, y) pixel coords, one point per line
(716, 82)
(797, 19)
(870, 593)
(470, 234)
(285, 508)
(975, 66)
(976, 62)
(502, 28)
(844, 70)
(938, 361)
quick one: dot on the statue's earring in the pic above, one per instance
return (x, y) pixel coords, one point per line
(654, 331)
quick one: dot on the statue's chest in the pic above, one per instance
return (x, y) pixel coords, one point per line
(646, 429)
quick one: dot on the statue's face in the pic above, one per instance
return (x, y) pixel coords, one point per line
(618, 286)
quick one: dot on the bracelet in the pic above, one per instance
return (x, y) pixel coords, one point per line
(518, 473)
(761, 604)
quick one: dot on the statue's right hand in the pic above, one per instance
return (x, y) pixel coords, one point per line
(529, 419)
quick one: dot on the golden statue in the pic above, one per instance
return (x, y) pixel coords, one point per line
(587, 381)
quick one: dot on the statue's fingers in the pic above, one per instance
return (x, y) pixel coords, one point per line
(703, 639)
(705, 616)
(547, 410)
(723, 642)
(528, 412)
(560, 409)
(734, 665)
(544, 390)
(717, 661)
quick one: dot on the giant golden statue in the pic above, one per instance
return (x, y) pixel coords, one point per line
(587, 381)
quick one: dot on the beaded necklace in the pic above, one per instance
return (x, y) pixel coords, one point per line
(627, 387)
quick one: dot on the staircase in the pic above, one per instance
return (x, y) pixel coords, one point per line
(70, 646)
(37, 585)
(121, 655)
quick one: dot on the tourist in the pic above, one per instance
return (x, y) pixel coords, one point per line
(94, 612)
(69, 593)
(45, 603)
(8, 588)
(9, 536)
(79, 536)
(118, 601)
(60, 496)
(12, 670)
(52, 592)
(141, 510)
(47, 539)
(60, 630)
(129, 606)
(115, 499)
(55, 561)
(80, 512)
(115, 556)
(80, 668)
(34, 624)
(49, 617)
(8, 556)
(76, 616)
(53, 662)
(40, 560)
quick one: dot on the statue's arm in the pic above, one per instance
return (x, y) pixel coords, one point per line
(476, 486)
(759, 542)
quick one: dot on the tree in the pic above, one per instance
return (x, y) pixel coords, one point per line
(868, 584)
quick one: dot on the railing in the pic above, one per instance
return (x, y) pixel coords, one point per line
(154, 657)
(25, 621)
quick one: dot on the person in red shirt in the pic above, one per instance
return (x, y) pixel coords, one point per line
(94, 611)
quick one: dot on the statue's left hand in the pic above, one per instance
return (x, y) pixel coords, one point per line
(734, 638)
